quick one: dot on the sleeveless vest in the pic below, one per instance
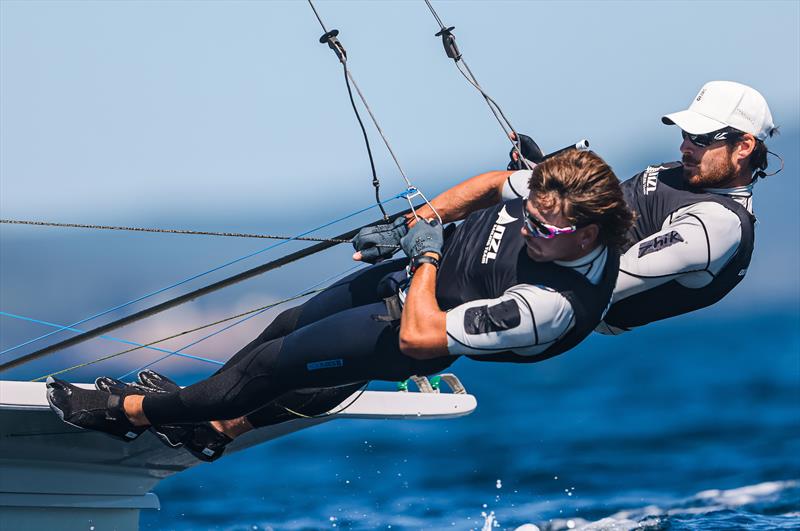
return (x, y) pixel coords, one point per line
(655, 194)
(486, 255)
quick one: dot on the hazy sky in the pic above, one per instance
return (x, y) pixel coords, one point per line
(126, 111)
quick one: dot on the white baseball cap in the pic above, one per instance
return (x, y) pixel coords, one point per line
(721, 104)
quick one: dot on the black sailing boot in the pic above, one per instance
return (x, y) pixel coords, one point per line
(170, 435)
(91, 410)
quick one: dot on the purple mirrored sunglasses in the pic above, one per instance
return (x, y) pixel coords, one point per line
(539, 229)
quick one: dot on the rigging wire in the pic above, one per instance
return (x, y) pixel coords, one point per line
(109, 338)
(179, 334)
(340, 52)
(452, 51)
(331, 39)
(174, 231)
(247, 318)
(329, 413)
(168, 304)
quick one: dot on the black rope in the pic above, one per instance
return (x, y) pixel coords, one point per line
(376, 183)
(318, 17)
(330, 38)
(174, 231)
(165, 231)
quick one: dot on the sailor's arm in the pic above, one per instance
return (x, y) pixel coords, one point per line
(458, 202)
(378, 242)
(692, 247)
(422, 326)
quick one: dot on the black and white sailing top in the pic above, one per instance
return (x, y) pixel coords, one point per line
(503, 306)
(688, 248)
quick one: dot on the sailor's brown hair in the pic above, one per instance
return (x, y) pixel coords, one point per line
(587, 191)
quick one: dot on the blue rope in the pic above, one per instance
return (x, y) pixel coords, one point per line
(273, 246)
(136, 371)
(125, 341)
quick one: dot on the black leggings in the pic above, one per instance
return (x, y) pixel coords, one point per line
(339, 337)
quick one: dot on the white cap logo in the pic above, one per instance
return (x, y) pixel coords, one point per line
(721, 104)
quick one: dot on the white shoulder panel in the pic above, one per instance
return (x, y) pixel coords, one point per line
(516, 185)
(526, 320)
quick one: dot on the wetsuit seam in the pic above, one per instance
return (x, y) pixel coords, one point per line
(667, 275)
(708, 243)
(499, 349)
(533, 319)
(508, 179)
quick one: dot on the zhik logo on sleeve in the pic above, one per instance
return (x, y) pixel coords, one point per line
(659, 242)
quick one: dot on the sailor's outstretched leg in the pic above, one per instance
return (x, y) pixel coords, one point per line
(365, 286)
(348, 347)
(351, 346)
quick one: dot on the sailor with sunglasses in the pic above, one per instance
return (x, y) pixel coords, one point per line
(693, 237)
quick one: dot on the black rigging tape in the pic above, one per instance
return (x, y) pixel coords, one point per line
(449, 43)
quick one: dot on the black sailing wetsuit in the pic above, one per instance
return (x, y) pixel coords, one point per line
(668, 211)
(343, 336)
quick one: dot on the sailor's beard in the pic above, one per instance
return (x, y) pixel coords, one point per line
(716, 175)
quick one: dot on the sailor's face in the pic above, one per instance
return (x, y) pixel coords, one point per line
(560, 247)
(707, 167)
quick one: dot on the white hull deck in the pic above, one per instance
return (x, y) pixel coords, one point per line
(55, 476)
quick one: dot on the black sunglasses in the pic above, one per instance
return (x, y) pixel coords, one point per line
(722, 135)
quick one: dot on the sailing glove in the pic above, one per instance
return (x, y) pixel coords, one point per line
(380, 242)
(424, 237)
(530, 151)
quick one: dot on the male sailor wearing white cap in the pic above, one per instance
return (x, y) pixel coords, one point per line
(693, 237)
(695, 229)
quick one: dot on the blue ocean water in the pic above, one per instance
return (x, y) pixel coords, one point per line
(688, 424)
